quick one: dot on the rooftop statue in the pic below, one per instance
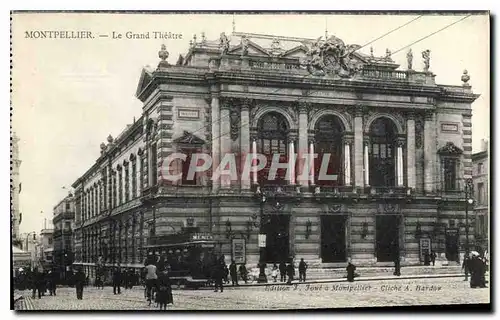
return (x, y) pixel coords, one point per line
(224, 43)
(332, 57)
(426, 55)
(409, 58)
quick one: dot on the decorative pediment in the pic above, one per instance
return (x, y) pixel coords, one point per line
(450, 149)
(144, 80)
(253, 49)
(296, 52)
(189, 138)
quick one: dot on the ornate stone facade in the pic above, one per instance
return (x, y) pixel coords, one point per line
(227, 87)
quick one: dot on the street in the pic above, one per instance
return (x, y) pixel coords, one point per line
(272, 297)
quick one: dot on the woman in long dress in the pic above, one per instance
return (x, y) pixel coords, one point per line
(164, 295)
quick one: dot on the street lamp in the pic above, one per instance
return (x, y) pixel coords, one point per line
(469, 189)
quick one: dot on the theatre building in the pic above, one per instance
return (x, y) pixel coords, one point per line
(399, 146)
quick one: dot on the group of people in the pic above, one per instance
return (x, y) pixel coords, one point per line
(38, 281)
(158, 284)
(476, 265)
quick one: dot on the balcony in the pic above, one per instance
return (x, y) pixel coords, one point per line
(388, 192)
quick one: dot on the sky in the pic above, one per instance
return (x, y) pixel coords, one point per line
(69, 95)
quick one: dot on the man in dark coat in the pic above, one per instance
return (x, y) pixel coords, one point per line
(290, 270)
(117, 279)
(243, 272)
(350, 271)
(233, 272)
(282, 268)
(51, 282)
(38, 280)
(79, 281)
(302, 270)
(397, 265)
(217, 275)
(433, 258)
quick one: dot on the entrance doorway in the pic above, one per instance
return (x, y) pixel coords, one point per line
(276, 228)
(452, 245)
(387, 237)
(333, 238)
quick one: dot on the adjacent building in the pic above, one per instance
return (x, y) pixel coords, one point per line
(480, 174)
(64, 223)
(15, 187)
(400, 145)
(45, 248)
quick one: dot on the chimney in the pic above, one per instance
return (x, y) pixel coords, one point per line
(484, 145)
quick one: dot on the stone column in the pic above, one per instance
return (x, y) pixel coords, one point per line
(410, 151)
(311, 161)
(358, 148)
(303, 163)
(291, 161)
(215, 138)
(429, 143)
(366, 165)
(225, 139)
(254, 160)
(399, 164)
(244, 143)
(347, 161)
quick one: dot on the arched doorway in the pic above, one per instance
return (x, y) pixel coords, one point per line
(272, 139)
(382, 153)
(329, 131)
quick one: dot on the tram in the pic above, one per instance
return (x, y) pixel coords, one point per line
(189, 256)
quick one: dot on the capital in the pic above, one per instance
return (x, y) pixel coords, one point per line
(359, 110)
(410, 115)
(246, 103)
(400, 142)
(225, 104)
(428, 115)
(366, 141)
(303, 106)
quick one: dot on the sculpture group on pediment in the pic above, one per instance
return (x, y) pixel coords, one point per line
(332, 57)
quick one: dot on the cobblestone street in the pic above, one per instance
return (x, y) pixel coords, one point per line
(303, 296)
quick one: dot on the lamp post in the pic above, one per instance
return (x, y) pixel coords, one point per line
(469, 189)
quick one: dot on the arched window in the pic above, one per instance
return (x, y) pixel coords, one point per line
(382, 153)
(328, 142)
(273, 139)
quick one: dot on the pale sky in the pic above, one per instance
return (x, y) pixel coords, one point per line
(68, 95)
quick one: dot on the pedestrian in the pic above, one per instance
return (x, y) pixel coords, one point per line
(351, 268)
(282, 268)
(465, 266)
(433, 258)
(397, 265)
(164, 295)
(52, 283)
(79, 281)
(274, 273)
(38, 280)
(226, 274)
(243, 273)
(117, 279)
(233, 273)
(290, 270)
(427, 259)
(217, 275)
(131, 277)
(151, 279)
(302, 270)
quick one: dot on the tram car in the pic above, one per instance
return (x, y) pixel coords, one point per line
(190, 257)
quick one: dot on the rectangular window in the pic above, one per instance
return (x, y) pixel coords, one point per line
(450, 174)
(154, 165)
(134, 179)
(480, 194)
(127, 185)
(68, 206)
(480, 168)
(120, 187)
